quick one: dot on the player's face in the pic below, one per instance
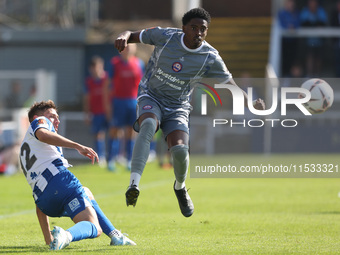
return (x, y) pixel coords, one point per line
(53, 116)
(96, 70)
(195, 32)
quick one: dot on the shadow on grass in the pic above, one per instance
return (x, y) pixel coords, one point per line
(44, 249)
(334, 213)
(22, 249)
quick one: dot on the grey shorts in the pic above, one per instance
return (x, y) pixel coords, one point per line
(170, 119)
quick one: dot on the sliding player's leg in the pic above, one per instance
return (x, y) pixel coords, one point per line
(117, 238)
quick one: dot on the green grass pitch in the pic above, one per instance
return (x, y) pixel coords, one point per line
(232, 216)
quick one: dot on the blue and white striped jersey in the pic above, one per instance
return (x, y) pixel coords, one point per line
(40, 161)
(174, 69)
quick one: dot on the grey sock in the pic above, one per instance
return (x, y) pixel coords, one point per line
(141, 149)
(180, 157)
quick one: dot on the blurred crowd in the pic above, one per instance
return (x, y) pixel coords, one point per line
(305, 57)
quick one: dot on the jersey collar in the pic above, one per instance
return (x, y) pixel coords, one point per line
(191, 50)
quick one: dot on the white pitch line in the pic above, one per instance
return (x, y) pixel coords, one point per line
(100, 196)
(16, 214)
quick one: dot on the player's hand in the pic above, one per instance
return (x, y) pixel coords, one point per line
(259, 104)
(122, 41)
(88, 152)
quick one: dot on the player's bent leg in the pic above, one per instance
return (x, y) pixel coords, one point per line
(86, 226)
(180, 155)
(148, 127)
(178, 146)
(141, 149)
(105, 224)
(117, 238)
(88, 215)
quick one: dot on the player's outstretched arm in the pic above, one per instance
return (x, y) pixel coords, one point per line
(55, 139)
(44, 225)
(126, 37)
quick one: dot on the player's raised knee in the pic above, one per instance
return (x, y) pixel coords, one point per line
(180, 152)
(88, 193)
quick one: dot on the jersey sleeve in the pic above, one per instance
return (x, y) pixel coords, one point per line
(41, 122)
(156, 35)
(219, 71)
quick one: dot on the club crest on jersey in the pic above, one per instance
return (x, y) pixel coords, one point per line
(177, 67)
(41, 121)
(147, 107)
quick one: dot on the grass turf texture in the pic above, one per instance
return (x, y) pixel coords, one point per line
(232, 216)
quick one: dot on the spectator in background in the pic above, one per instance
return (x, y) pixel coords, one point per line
(32, 96)
(289, 20)
(313, 16)
(335, 22)
(13, 100)
(296, 72)
(9, 154)
(95, 107)
(127, 73)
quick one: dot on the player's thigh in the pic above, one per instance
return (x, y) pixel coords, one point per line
(63, 196)
(147, 108)
(175, 127)
(177, 137)
(88, 214)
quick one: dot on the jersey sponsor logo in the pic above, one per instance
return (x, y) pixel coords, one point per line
(177, 67)
(74, 204)
(147, 107)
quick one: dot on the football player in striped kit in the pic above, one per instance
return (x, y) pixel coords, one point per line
(56, 191)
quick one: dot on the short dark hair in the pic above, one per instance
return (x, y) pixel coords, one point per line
(38, 108)
(196, 13)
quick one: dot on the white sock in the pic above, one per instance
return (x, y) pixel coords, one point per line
(135, 178)
(69, 236)
(115, 232)
(179, 185)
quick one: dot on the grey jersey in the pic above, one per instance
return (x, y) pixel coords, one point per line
(174, 69)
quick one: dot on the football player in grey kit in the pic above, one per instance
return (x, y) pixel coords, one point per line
(180, 59)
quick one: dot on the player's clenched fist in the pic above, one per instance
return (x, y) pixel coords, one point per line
(259, 104)
(122, 41)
